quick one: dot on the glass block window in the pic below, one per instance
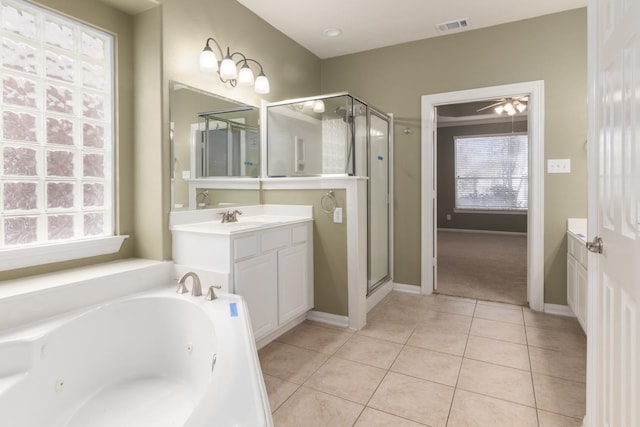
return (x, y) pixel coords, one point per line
(492, 172)
(57, 121)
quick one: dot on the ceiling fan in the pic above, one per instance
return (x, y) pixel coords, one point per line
(511, 105)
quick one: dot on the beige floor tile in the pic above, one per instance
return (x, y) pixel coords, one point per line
(418, 400)
(317, 338)
(558, 364)
(384, 328)
(498, 330)
(313, 408)
(537, 319)
(566, 342)
(438, 339)
(278, 390)
(346, 379)
(373, 418)
(290, 363)
(560, 396)
(405, 299)
(498, 352)
(500, 314)
(549, 419)
(447, 322)
(455, 298)
(371, 351)
(429, 365)
(475, 410)
(497, 381)
(453, 306)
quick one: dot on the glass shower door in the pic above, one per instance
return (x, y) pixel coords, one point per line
(378, 209)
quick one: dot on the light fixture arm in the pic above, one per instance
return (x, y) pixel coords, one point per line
(227, 67)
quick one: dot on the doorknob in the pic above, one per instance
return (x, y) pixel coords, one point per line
(595, 245)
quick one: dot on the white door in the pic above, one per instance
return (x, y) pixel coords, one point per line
(613, 377)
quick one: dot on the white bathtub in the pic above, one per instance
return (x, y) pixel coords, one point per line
(154, 359)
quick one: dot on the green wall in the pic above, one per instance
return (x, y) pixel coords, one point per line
(552, 48)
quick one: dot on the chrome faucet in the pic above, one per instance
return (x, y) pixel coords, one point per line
(230, 216)
(196, 290)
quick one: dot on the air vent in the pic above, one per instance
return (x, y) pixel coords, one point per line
(460, 24)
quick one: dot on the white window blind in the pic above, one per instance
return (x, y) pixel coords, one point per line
(492, 172)
(56, 115)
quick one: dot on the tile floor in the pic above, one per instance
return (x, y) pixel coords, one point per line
(430, 361)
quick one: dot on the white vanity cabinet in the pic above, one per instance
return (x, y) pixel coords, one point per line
(272, 271)
(577, 285)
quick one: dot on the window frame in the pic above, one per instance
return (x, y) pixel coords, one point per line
(52, 251)
(485, 210)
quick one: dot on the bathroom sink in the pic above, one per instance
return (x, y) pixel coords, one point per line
(243, 224)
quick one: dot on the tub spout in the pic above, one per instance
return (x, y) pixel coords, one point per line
(196, 290)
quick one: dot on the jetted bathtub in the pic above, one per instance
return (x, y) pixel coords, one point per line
(156, 359)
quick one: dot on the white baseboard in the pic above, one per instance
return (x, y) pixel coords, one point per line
(328, 318)
(559, 309)
(410, 289)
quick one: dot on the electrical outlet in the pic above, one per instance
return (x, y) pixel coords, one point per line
(559, 166)
(448, 217)
(337, 216)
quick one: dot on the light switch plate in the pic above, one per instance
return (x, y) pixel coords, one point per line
(186, 174)
(337, 216)
(559, 166)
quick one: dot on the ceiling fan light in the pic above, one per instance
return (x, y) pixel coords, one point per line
(318, 106)
(521, 107)
(499, 109)
(508, 107)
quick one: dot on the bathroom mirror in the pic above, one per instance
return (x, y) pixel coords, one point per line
(215, 147)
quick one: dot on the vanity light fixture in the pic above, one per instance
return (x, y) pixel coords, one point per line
(227, 68)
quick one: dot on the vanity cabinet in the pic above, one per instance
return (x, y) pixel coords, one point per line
(272, 271)
(577, 285)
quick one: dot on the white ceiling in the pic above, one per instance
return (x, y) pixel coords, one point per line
(369, 24)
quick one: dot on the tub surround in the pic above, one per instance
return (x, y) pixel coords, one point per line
(29, 299)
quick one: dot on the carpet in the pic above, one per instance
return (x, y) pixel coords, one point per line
(491, 267)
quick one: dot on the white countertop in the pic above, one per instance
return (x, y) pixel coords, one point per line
(578, 228)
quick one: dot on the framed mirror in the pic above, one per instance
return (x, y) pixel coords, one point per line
(215, 150)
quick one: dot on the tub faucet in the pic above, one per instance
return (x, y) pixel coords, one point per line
(196, 290)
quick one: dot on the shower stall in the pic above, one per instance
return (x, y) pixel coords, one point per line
(338, 135)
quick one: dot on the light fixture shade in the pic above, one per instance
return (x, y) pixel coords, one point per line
(208, 60)
(499, 109)
(318, 106)
(245, 77)
(262, 84)
(521, 107)
(228, 70)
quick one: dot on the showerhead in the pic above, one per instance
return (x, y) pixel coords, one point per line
(345, 113)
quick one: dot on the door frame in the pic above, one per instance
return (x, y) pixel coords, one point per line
(535, 214)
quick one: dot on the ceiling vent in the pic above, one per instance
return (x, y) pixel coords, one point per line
(460, 24)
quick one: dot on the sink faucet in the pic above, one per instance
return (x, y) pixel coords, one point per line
(230, 216)
(196, 290)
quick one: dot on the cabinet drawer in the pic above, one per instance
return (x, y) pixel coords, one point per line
(245, 246)
(299, 234)
(275, 239)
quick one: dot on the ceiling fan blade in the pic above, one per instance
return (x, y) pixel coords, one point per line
(489, 106)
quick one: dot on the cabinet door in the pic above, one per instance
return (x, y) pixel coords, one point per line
(293, 278)
(256, 279)
(581, 295)
(571, 283)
